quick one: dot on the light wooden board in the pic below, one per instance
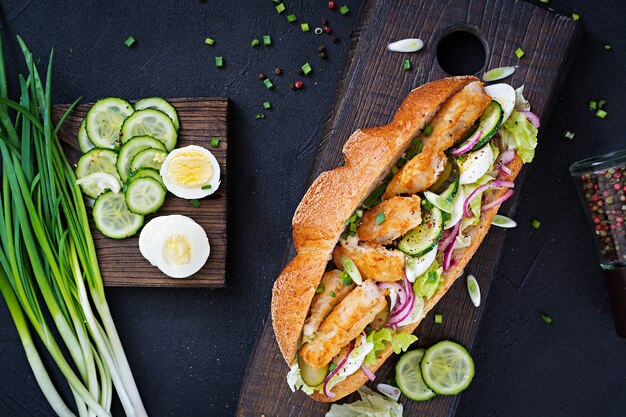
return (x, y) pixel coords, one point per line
(120, 260)
(370, 90)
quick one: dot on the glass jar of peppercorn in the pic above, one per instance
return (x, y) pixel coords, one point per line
(601, 185)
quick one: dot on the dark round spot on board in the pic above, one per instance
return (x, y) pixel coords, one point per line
(462, 50)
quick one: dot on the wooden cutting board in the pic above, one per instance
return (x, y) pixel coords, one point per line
(371, 88)
(121, 262)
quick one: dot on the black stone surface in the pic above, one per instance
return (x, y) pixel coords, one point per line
(189, 348)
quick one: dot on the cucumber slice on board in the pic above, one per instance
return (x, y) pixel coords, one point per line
(84, 144)
(424, 237)
(447, 368)
(148, 158)
(112, 217)
(145, 195)
(150, 122)
(161, 105)
(96, 160)
(104, 121)
(146, 172)
(409, 376)
(130, 149)
(97, 183)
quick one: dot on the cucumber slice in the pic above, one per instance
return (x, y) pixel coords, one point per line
(84, 144)
(130, 149)
(161, 105)
(409, 376)
(104, 121)
(447, 368)
(424, 237)
(488, 125)
(96, 160)
(452, 190)
(112, 217)
(146, 172)
(145, 195)
(150, 122)
(148, 158)
(97, 183)
(311, 376)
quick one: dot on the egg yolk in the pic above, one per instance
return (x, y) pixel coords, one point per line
(178, 249)
(190, 169)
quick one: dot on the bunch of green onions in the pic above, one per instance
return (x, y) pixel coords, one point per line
(49, 274)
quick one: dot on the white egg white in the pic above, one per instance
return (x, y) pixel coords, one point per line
(504, 94)
(476, 165)
(186, 192)
(147, 236)
(195, 236)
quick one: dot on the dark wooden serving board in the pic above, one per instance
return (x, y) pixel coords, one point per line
(371, 88)
(121, 262)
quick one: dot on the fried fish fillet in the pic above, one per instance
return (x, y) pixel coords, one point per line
(401, 214)
(373, 261)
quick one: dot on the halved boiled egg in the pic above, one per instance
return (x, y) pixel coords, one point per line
(191, 172)
(504, 94)
(476, 164)
(175, 244)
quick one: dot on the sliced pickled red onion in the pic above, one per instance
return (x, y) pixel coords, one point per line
(327, 390)
(532, 118)
(467, 145)
(447, 253)
(489, 186)
(497, 201)
(368, 373)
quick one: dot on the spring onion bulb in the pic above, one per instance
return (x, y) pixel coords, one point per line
(49, 273)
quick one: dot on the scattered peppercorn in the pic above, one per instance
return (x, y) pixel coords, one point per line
(326, 29)
(262, 76)
(323, 55)
(298, 84)
(324, 22)
(334, 39)
(331, 4)
(278, 71)
(322, 48)
(292, 86)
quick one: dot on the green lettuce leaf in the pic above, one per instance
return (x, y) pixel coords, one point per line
(519, 134)
(399, 342)
(371, 404)
(429, 282)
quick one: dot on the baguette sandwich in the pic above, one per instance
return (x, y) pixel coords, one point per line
(381, 239)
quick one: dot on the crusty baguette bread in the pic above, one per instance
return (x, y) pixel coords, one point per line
(333, 197)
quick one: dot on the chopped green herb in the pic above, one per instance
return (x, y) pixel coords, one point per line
(332, 293)
(267, 105)
(446, 216)
(320, 288)
(332, 367)
(428, 130)
(306, 69)
(344, 9)
(427, 205)
(593, 105)
(267, 40)
(259, 116)
(215, 142)
(569, 134)
(519, 52)
(268, 83)
(575, 16)
(601, 114)
(601, 103)
(209, 41)
(130, 41)
(545, 1)
(280, 8)
(206, 187)
(219, 61)
(380, 218)
(305, 27)
(607, 47)
(292, 18)
(547, 319)
(345, 278)
(535, 223)
(432, 276)
(255, 42)
(438, 318)
(406, 65)
(195, 203)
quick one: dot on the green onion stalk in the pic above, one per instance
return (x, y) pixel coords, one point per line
(49, 273)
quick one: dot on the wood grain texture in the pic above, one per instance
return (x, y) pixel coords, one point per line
(120, 260)
(371, 88)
